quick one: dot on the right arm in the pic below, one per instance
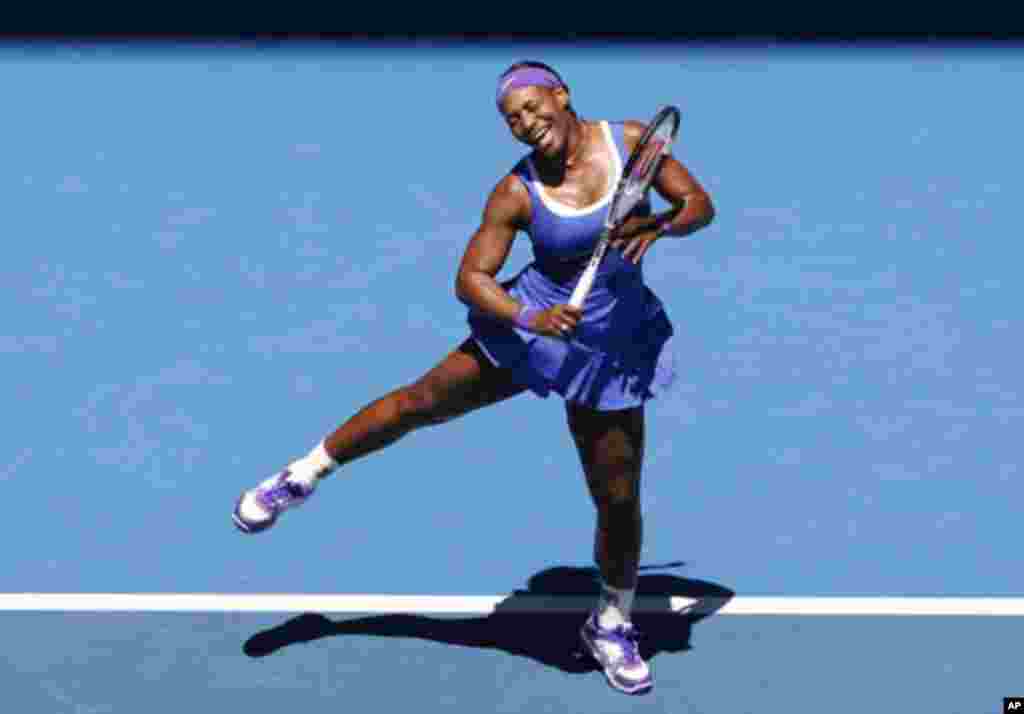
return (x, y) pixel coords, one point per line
(476, 284)
(506, 212)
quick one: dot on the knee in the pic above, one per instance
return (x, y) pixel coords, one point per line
(621, 493)
(618, 496)
(619, 482)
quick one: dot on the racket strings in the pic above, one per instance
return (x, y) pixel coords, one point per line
(631, 191)
(642, 166)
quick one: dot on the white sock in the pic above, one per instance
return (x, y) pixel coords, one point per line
(312, 467)
(614, 606)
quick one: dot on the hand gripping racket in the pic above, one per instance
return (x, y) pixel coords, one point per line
(637, 176)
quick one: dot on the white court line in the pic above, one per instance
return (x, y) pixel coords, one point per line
(486, 604)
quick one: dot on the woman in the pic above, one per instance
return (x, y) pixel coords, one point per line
(605, 360)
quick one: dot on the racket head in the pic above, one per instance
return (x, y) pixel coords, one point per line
(643, 163)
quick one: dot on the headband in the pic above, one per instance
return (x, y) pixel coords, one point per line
(525, 77)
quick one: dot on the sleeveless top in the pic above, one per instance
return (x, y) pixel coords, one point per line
(617, 357)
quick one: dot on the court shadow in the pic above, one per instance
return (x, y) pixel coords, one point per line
(541, 623)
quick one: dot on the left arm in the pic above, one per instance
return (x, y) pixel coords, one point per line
(690, 205)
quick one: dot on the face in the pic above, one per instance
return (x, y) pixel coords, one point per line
(538, 117)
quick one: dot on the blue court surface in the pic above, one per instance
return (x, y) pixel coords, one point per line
(213, 255)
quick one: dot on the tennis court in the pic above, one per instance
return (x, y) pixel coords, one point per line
(197, 286)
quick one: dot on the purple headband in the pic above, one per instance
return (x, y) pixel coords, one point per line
(525, 77)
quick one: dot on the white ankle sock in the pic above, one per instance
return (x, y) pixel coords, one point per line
(614, 606)
(313, 467)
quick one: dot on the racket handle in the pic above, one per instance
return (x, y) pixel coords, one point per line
(586, 281)
(579, 295)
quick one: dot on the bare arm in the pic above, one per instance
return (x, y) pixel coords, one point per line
(475, 284)
(507, 210)
(691, 207)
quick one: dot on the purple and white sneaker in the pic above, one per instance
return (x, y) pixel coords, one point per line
(258, 508)
(617, 652)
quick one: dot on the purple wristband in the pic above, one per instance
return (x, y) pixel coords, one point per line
(525, 316)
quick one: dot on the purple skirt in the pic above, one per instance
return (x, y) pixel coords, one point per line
(618, 357)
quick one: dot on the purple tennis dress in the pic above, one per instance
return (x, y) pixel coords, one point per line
(618, 356)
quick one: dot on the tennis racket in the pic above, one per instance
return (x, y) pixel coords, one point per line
(637, 176)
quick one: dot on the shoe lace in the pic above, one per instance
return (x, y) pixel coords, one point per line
(629, 639)
(283, 493)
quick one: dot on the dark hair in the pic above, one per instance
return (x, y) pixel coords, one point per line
(539, 65)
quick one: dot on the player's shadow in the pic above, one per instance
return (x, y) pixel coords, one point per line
(541, 622)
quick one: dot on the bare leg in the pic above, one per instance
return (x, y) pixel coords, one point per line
(611, 447)
(465, 380)
(462, 382)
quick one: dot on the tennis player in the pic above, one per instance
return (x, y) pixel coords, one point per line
(605, 360)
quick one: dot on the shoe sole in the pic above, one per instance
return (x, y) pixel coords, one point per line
(642, 688)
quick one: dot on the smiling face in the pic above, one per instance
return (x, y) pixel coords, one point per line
(539, 117)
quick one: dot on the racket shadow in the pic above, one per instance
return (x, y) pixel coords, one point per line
(541, 623)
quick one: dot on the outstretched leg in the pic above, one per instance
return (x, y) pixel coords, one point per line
(465, 380)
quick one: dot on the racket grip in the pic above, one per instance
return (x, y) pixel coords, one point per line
(579, 294)
(586, 281)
